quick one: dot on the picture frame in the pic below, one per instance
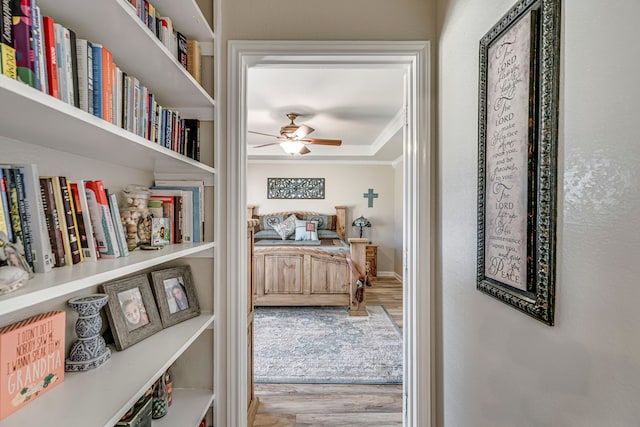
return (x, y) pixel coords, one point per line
(131, 310)
(517, 158)
(175, 294)
(295, 188)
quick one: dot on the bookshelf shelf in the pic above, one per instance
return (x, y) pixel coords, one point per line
(66, 280)
(63, 127)
(64, 140)
(135, 49)
(187, 404)
(101, 396)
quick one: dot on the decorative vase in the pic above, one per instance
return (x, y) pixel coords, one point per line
(90, 351)
(160, 404)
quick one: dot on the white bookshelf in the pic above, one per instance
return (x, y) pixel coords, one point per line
(67, 280)
(100, 397)
(31, 120)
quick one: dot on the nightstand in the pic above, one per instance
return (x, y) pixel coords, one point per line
(372, 261)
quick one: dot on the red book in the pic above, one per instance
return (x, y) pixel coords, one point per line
(50, 55)
(31, 359)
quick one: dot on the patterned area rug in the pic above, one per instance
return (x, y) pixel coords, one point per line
(323, 345)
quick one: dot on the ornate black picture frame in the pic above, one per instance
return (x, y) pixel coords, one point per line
(518, 132)
(295, 188)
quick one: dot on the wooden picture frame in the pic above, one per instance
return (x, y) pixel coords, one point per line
(518, 132)
(131, 310)
(175, 294)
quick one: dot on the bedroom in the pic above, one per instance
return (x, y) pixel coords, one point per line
(361, 107)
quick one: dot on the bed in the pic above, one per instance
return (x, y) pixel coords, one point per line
(322, 271)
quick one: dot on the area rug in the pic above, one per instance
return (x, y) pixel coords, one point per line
(323, 345)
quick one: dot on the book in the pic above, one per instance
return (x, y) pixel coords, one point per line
(118, 99)
(192, 138)
(107, 85)
(184, 218)
(62, 219)
(85, 227)
(25, 225)
(182, 49)
(70, 219)
(117, 224)
(101, 219)
(21, 13)
(52, 221)
(32, 355)
(197, 195)
(51, 56)
(4, 200)
(35, 37)
(97, 79)
(38, 49)
(194, 60)
(42, 260)
(7, 51)
(72, 71)
(82, 73)
(61, 62)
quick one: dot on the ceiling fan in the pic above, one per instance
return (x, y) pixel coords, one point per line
(293, 139)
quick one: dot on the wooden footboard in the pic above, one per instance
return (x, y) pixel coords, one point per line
(296, 276)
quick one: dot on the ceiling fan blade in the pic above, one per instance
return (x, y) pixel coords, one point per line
(265, 134)
(302, 131)
(304, 151)
(318, 141)
(266, 145)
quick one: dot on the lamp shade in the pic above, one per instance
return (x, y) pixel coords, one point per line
(361, 222)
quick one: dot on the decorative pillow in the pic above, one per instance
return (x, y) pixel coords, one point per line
(324, 221)
(286, 227)
(267, 221)
(306, 230)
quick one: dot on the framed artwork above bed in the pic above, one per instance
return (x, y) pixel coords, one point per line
(295, 188)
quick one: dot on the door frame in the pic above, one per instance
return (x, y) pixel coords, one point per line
(418, 265)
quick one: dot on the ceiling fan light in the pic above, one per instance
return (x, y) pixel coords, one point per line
(292, 147)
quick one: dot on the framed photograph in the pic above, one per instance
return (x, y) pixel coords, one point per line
(518, 132)
(175, 294)
(295, 188)
(131, 310)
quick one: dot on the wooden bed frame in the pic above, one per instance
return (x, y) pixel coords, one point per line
(306, 275)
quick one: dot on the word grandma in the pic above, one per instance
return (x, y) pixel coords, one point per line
(21, 378)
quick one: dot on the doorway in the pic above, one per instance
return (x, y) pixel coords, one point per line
(417, 274)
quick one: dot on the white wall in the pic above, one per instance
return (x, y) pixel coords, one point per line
(344, 185)
(497, 366)
(398, 219)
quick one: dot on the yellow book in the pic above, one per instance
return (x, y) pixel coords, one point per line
(194, 66)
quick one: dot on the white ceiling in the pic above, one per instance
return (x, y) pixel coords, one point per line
(361, 105)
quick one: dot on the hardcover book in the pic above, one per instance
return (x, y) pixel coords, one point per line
(101, 219)
(61, 61)
(4, 200)
(7, 51)
(25, 226)
(22, 42)
(52, 221)
(34, 218)
(182, 49)
(39, 59)
(194, 64)
(72, 71)
(97, 79)
(31, 359)
(117, 224)
(51, 56)
(72, 228)
(85, 227)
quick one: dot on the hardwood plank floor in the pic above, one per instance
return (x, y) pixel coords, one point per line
(352, 405)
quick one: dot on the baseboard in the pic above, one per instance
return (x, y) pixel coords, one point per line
(390, 274)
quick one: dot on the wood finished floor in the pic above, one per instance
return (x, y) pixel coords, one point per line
(344, 405)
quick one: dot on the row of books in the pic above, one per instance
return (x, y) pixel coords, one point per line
(60, 222)
(187, 52)
(49, 57)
